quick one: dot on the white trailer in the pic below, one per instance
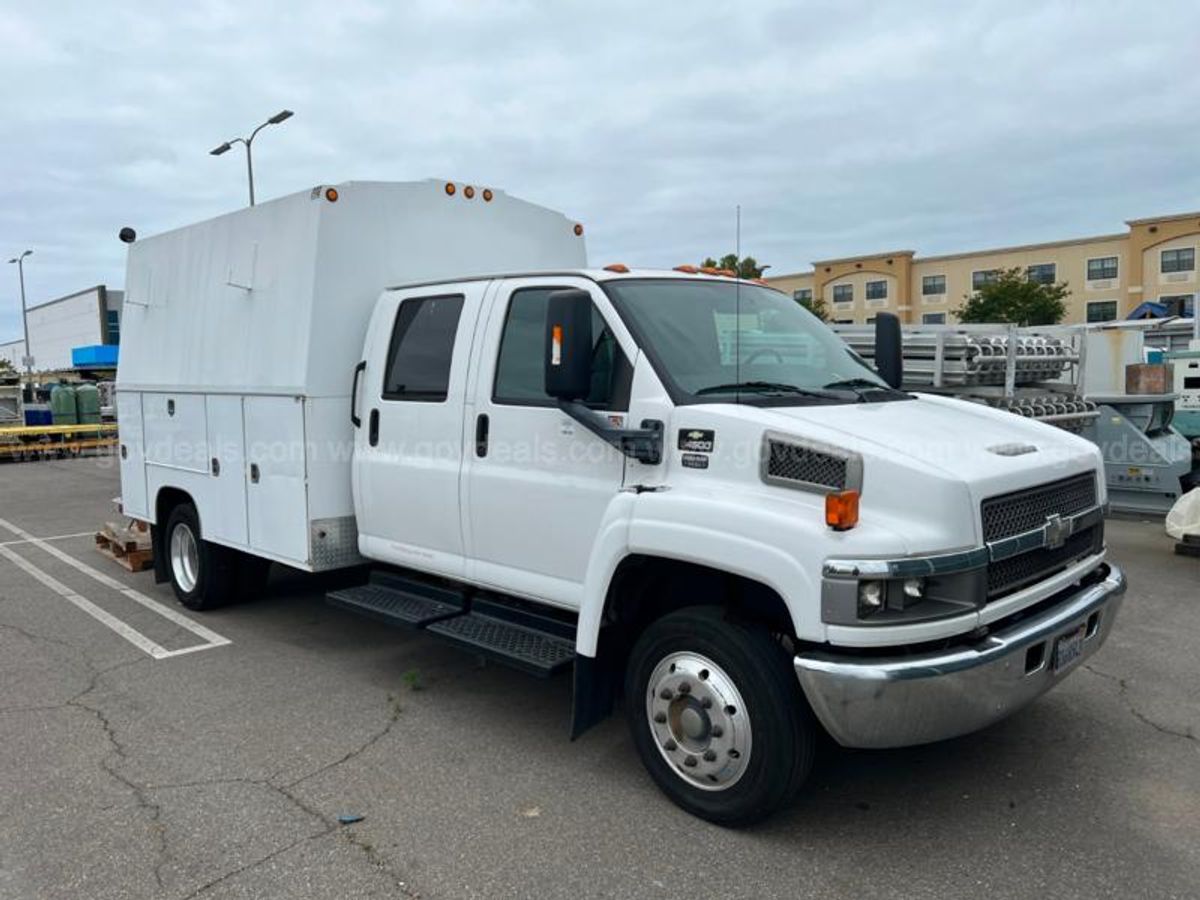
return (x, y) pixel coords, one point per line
(240, 335)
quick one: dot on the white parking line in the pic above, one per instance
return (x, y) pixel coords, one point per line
(211, 638)
(57, 537)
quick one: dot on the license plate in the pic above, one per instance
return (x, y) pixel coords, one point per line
(1068, 648)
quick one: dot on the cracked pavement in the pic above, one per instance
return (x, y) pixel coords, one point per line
(221, 774)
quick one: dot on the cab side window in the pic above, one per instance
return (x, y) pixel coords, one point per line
(422, 348)
(520, 378)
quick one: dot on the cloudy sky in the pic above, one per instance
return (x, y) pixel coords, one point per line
(839, 127)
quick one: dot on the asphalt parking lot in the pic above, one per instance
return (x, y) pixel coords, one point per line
(220, 772)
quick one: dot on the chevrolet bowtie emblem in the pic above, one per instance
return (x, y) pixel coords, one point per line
(1056, 531)
(695, 435)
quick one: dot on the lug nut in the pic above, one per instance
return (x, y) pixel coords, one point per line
(666, 693)
(710, 755)
(690, 762)
(660, 717)
(717, 731)
(706, 702)
(669, 745)
(685, 688)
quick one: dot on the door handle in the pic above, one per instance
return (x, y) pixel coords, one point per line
(358, 370)
(481, 435)
(254, 473)
(373, 428)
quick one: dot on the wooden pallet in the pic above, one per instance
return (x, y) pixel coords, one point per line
(129, 546)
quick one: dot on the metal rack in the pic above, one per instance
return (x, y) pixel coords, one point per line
(1029, 372)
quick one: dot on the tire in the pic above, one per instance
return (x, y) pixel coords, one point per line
(732, 739)
(203, 574)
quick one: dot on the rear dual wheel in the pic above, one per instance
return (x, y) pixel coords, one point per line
(718, 717)
(205, 575)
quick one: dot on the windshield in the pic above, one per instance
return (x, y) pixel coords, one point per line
(718, 340)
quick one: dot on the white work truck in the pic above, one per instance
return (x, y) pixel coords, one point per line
(680, 485)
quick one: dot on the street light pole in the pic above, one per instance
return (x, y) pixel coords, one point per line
(20, 261)
(280, 116)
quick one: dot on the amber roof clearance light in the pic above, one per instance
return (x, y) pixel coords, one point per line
(469, 192)
(619, 268)
(450, 188)
(487, 195)
(578, 230)
(331, 195)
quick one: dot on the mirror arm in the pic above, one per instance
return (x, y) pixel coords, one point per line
(644, 444)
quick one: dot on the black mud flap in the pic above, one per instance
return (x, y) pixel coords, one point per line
(160, 554)
(594, 693)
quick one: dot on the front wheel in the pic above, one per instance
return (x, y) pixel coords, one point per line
(717, 716)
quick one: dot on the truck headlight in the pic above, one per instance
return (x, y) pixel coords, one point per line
(871, 596)
(914, 588)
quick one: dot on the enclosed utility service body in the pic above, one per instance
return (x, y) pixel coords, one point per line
(681, 485)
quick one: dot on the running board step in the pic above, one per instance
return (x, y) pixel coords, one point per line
(531, 650)
(399, 601)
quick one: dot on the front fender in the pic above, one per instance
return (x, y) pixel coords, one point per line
(762, 542)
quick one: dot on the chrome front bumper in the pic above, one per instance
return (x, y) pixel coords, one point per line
(904, 700)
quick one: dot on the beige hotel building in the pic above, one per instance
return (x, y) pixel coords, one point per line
(1108, 276)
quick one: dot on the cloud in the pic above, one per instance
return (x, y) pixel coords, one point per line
(839, 127)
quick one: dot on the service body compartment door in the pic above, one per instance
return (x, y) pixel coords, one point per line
(225, 517)
(276, 488)
(133, 455)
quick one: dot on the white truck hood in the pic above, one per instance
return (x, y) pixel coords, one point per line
(939, 456)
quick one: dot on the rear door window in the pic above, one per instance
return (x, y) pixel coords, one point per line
(422, 348)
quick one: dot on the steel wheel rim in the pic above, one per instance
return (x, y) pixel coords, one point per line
(185, 557)
(699, 721)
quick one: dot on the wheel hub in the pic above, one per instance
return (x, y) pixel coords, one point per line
(185, 557)
(698, 720)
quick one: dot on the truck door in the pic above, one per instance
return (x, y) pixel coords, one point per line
(409, 447)
(537, 484)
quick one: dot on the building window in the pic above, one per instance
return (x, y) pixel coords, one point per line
(1179, 304)
(843, 293)
(112, 326)
(1042, 273)
(802, 295)
(422, 348)
(933, 319)
(843, 321)
(933, 284)
(982, 277)
(876, 290)
(1102, 268)
(1102, 311)
(1181, 260)
(870, 320)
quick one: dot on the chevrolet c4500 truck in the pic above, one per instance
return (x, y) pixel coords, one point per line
(678, 485)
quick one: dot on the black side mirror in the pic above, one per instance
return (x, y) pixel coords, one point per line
(889, 349)
(569, 345)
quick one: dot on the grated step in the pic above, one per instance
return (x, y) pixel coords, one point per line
(412, 604)
(527, 649)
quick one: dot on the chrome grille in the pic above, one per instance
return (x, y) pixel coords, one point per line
(1027, 509)
(795, 462)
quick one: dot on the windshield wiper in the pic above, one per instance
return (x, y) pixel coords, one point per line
(775, 387)
(864, 386)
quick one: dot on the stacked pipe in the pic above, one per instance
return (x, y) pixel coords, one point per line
(972, 359)
(1064, 410)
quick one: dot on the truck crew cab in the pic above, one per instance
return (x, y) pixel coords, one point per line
(679, 485)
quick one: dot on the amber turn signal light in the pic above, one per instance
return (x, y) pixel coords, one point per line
(841, 510)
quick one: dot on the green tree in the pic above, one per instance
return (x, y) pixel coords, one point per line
(747, 267)
(6, 367)
(816, 306)
(1010, 296)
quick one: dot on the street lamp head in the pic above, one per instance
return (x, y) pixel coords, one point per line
(217, 151)
(281, 116)
(17, 259)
